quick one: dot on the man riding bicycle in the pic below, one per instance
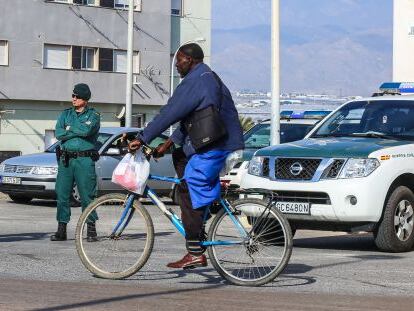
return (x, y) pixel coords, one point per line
(198, 162)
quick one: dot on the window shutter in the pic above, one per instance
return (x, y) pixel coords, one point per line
(76, 57)
(120, 61)
(56, 56)
(106, 57)
(3, 53)
(107, 3)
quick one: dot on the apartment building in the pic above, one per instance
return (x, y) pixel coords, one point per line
(48, 46)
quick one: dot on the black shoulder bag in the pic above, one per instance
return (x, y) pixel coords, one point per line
(205, 126)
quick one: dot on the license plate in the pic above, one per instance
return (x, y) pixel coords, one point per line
(294, 207)
(11, 180)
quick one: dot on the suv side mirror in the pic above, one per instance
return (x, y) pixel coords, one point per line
(113, 151)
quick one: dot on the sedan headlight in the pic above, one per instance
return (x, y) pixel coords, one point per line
(256, 166)
(41, 170)
(355, 168)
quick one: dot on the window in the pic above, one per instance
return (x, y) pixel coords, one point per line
(411, 33)
(176, 7)
(124, 4)
(85, 2)
(56, 56)
(120, 61)
(88, 58)
(4, 53)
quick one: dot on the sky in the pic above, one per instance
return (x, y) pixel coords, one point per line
(336, 47)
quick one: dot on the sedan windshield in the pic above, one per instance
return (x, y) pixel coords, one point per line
(388, 119)
(259, 135)
(102, 138)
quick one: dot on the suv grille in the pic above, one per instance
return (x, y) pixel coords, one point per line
(296, 168)
(332, 171)
(18, 169)
(266, 168)
(302, 196)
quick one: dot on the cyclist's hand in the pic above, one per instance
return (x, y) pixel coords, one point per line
(134, 145)
(162, 149)
(159, 151)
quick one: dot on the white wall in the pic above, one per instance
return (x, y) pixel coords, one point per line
(403, 45)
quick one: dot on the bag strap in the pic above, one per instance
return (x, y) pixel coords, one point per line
(215, 75)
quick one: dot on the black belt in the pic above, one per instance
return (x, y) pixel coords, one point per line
(75, 154)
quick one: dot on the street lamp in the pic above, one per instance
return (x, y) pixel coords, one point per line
(128, 100)
(275, 111)
(196, 40)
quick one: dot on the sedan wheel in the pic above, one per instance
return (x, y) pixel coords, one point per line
(20, 198)
(76, 200)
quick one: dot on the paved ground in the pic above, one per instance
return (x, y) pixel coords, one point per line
(327, 271)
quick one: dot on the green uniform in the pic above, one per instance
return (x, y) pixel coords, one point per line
(76, 132)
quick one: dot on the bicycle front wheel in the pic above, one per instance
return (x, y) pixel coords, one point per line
(119, 255)
(258, 258)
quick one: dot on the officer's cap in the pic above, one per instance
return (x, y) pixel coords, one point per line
(82, 91)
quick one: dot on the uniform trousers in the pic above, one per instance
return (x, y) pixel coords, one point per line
(80, 170)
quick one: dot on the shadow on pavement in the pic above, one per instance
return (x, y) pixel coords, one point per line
(24, 236)
(351, 242)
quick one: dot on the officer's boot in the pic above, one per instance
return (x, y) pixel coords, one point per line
(91, 235)
(60, 234)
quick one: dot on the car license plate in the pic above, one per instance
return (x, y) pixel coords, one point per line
(11, 180)
(294, 207)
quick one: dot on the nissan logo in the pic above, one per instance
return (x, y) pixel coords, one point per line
(296, 168)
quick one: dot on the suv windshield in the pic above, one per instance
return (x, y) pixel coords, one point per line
(389, 119)
(102, 138)
(259, 135)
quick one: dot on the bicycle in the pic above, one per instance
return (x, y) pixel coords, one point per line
(249, 242)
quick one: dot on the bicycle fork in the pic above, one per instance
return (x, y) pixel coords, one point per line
(126, 217)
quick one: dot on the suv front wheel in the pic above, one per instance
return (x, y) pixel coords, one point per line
(395, 232)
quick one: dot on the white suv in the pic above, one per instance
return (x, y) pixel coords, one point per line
(353, 172)
(293, 126)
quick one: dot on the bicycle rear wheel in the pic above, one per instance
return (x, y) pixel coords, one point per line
(259, 258)
(115, 256)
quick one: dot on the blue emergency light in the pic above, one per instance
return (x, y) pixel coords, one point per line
(402, 88)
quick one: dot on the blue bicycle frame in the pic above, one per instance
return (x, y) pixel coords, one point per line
(169, 213)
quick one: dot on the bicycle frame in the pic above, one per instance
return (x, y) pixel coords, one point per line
(174, 219)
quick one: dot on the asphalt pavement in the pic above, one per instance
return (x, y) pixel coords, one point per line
(327, 271)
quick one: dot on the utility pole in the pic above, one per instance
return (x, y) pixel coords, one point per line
(275, 110)
(130, 52)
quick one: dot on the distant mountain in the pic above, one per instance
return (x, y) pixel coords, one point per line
(334, 47)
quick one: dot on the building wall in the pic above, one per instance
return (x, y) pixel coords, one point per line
(194, 22)
(403, 47)
(43, 22)
(37, 95)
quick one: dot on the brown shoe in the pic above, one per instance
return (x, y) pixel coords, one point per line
(189, 262)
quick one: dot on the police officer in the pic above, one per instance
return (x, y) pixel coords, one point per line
(199, 89)
(77, 130)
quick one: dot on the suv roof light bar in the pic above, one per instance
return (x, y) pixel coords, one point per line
(396, 88)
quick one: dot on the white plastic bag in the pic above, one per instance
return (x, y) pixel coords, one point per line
(132, 172)
(231, 160)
